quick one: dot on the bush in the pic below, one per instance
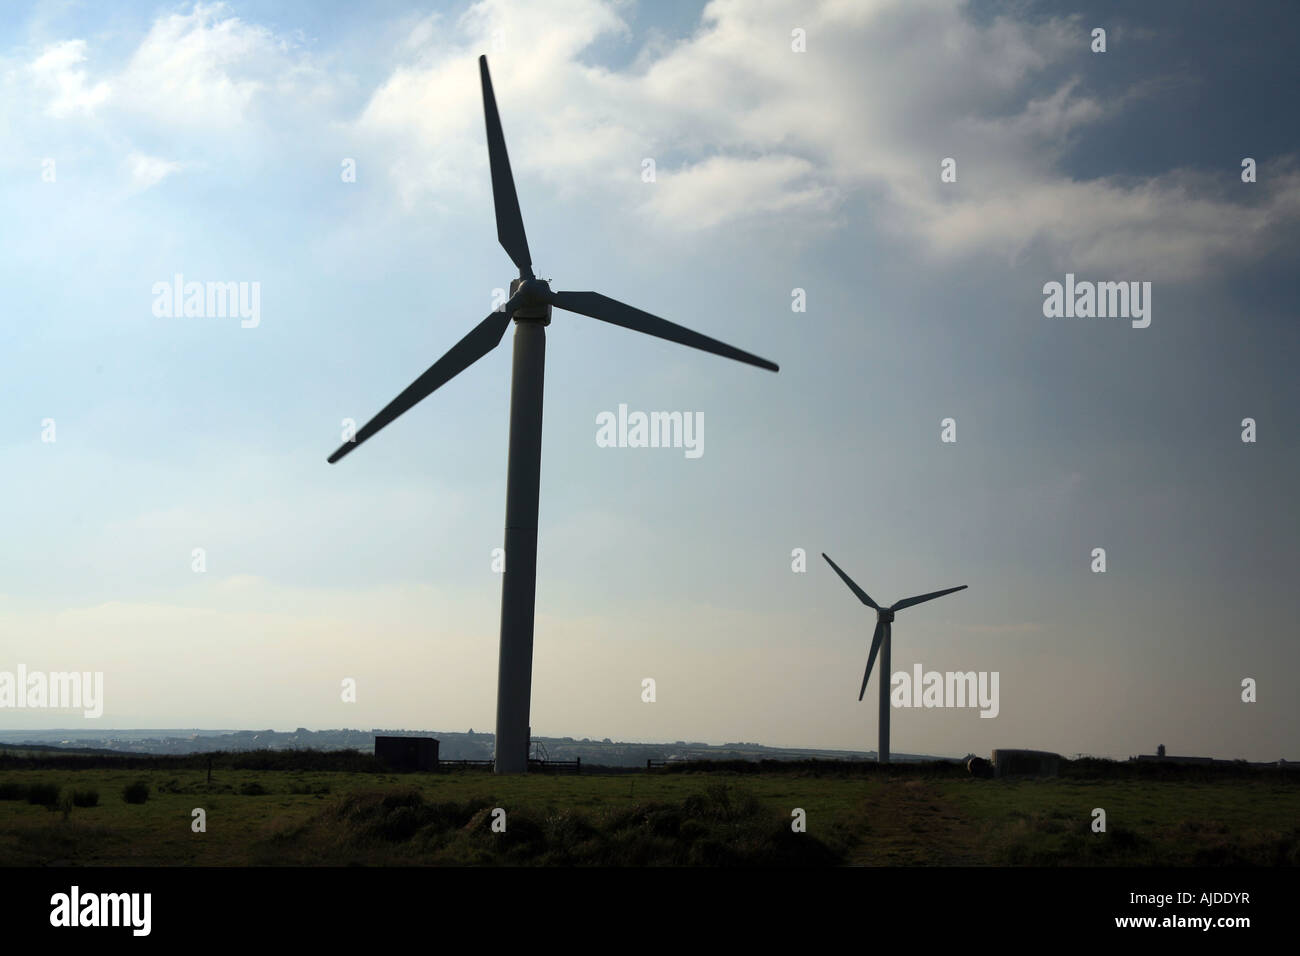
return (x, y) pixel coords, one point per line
(723, 826)
(13, 791)
(43, 794)
(665, 823)
(137, 792)
(85, 798)
(565, 834)
(309, 789)
(692, 830)
(253, 789)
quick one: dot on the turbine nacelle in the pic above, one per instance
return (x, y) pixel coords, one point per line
(884, 614)
(530, 300)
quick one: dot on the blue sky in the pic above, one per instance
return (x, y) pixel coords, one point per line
(207, 140)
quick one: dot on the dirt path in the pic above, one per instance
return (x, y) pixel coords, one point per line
(910, 823)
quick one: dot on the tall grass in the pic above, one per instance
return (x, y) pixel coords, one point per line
(722, 826)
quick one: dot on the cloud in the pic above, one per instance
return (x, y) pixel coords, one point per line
(56, 72)
(208, 68)
(200, 79)
(723, 188)
(1177, 225)
(741, 127)
(148, 171)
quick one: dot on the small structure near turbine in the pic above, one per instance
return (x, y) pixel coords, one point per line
(978, 766)
(408, 753)
(529, 306)
(880, 642)
(1026, 763)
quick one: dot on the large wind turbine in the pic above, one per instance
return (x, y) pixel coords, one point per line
(880, 642)
(529, 306)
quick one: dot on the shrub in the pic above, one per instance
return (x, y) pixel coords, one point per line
(13, 791)
(692, 830)
(307, 788)
(85, 798)
(665, 823)
(724, 826)
(137, 792)
(43, 794)
(565, 834)
(253, 789)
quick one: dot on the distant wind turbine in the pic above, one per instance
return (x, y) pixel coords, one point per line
(880, 641)
(529, 306)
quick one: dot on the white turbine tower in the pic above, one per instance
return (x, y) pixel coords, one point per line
(880, 641)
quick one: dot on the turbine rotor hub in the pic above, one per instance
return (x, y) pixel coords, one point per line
(885, 615)
(531, 298)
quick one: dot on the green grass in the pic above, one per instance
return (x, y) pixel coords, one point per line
(261, 817)
(1167, 823)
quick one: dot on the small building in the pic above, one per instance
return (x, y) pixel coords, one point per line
(1026, 763)
(1171, 758)
(408, 753)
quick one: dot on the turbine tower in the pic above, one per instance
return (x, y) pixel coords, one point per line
(880, 641)
(529, 306)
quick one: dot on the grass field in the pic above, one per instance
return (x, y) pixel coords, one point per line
(261, 817)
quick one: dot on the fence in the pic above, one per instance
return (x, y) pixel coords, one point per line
(534, 766)
(555, 766)
(444, 765)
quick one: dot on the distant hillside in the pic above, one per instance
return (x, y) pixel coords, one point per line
(453, 745)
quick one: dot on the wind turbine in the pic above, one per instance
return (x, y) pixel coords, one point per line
(529, 306)
(880, 642)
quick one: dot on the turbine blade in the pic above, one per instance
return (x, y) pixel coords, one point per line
(922, 598)
(617, 313)
(510, 222)
(862, 595)
(871, 658)
(483, 338)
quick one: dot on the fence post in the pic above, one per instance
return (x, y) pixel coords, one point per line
(579, 770)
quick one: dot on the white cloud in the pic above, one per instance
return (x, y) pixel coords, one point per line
(148, 171)
(1172, 226)
(740, 126)
(208, 68)
(58, 74)
(723, 188)
(195, 72)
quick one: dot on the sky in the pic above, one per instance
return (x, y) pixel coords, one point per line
(795, 146)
